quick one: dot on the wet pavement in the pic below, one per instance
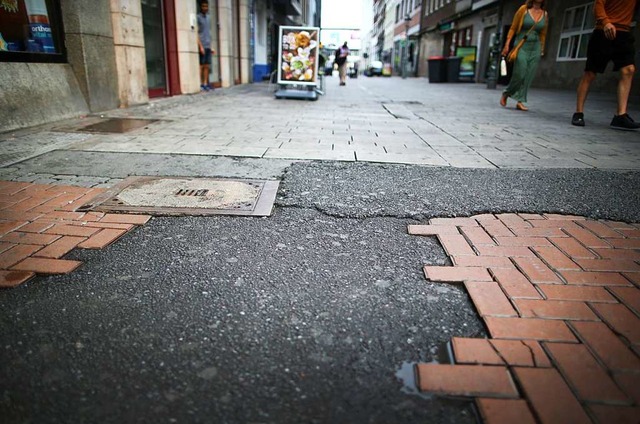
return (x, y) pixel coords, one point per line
(312, 314)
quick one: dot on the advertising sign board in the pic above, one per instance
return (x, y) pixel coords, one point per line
(298, 55)
(468, 64)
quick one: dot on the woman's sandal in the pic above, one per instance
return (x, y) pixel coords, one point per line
(503, 100)
(521, 107)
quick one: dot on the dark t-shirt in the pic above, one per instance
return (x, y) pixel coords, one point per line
(341, 55)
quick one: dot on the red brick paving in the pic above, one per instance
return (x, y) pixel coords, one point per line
(505, 411)
(467, 380)
(10, 279)
(562, 306)
(39, 224)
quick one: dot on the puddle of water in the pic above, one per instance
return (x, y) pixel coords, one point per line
(407, 372)
(407, 376)
(117, 125)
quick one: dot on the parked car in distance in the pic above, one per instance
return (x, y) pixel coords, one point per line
(375, 69)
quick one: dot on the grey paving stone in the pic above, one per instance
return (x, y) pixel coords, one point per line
(462, 122)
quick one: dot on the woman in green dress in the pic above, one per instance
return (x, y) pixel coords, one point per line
(530, 15)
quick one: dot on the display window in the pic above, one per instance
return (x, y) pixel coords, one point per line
(30, 31)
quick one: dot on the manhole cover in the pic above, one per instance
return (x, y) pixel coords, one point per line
(188, 196)
(117, 125)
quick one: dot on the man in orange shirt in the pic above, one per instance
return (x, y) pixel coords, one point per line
(611, 40)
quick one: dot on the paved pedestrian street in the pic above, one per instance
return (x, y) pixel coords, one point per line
(430, 257)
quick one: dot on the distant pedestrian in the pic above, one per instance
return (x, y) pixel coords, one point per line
(529, 24)
(341, 60)
(204, 44)
(611, 40)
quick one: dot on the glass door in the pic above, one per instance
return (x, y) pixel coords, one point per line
(152, 22)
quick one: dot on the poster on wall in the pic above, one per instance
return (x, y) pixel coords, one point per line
(468, 64)
(298, 55)
(25, 27)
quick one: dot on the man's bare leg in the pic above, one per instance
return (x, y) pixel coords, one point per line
(624, 88)
(583, 90)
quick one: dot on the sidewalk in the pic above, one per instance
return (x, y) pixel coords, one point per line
(371, 120)
(301, 316)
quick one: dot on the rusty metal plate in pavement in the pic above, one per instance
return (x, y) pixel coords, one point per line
(188, 196)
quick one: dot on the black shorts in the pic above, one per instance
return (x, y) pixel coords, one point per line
(601, 51)
(205, 59)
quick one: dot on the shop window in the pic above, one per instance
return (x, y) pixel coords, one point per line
(577, 25)
(30, 31)
(460, 38)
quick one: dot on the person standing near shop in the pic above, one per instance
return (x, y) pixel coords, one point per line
(204, 44)
(611, 41)
(341, 60)
(529, 24)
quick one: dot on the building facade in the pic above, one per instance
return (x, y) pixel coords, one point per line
(77, 57)
(394, 35)
(406, 19)
(447, 25)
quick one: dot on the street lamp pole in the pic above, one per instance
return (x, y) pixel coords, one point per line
(405, 53)
(494, 62)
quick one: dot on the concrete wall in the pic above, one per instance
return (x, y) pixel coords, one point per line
(187, 47)
(37, 93)
(225, 12)
(90, 51)
(128, 38)
(431, 44)
(246, 73)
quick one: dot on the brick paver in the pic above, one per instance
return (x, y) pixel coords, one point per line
(467, 380)
(505, 411)
(39, 224)
(522, 353)
(475, 351)
(562, 308)
(10, 279)
(583, 372)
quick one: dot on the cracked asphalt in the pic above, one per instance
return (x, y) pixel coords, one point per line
(301, 317)
(305, 316)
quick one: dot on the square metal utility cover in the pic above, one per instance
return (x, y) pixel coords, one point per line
(116, 125)
(188, 196)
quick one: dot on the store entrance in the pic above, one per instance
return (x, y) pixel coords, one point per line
(154, 46)
(214, 65)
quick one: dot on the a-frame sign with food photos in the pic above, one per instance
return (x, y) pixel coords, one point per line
(298, 55)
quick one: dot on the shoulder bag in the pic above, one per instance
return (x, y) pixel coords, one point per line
(513, 54)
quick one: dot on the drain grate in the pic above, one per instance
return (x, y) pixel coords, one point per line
(188, 196)
(191, 192)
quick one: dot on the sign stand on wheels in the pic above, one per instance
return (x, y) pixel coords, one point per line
(298, 63)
